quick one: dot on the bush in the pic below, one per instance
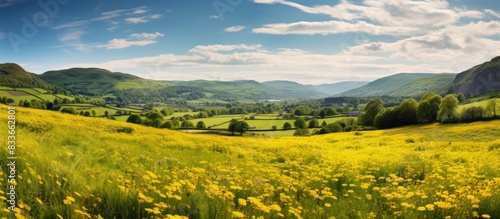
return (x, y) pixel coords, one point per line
(471, 114)
(333, 127)
(301, 132)
(125, 130)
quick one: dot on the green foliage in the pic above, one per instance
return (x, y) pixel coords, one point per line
(407, 112)
(386, 119)
(313, 123)
(473, 113)
(168, 125)
(448, 109)
(187, 124)
(200, 125)
(238, 126)
(287, 126)
(300, 123)
(333, 127)
(428, 108)
(460, 97)
(69, 110)
(372, 109)
(301, 132)
(136, 119)
(493, 108)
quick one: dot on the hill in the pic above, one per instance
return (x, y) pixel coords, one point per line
(337, 88)
(290, 88)
(95, 81)
(394, 85)
(438, 83)
(480, 79)
(14, 76)
(80, 167)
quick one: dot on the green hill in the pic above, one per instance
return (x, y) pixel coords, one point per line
(293, 89)
(14, 76)
(95, 81)
(439, 83)
(386, 85)
(480, 79)
(337, 88)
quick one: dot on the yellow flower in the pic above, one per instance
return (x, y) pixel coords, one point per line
(237, 214)
(421, 208)
(485, 216)
(39, 201)
(242, 202)
(328, 205)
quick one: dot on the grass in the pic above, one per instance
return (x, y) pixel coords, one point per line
(78, 167)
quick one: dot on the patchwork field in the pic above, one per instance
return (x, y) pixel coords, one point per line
(78, 167)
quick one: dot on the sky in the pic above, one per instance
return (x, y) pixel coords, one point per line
(310, 42)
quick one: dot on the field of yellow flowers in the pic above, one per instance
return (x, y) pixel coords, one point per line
(79, 167)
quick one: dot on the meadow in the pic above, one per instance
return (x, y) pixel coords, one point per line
(82, 167)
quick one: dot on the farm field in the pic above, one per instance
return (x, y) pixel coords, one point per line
(78, 167)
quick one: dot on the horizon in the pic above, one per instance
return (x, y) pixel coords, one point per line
(308, 42)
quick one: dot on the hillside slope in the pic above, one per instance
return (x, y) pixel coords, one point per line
(337, 88)
(384, 86)
(81, 167)
(13, 75)
(480, 79)
(439, 83)
(95, 81)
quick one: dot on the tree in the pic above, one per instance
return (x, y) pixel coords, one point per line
(136, 119)
(313, 123)
(241, 127)
(460, 97)
(407, 112)
(106, 114)
(69, 110)
(428, 108)
(323, 124)
(471, 114)
(329, 111)
(448, 109)
(94, 113)
(322, 114)
(492, 108)
(157, 123)
(287, 126)
(155, 115)
(232, 126)
(300, 123)
(372, 109)
(168, 125)
(301, 132)
(386, 119)
(87, 113)
(187, 124)
(333, 127)
(200, 125)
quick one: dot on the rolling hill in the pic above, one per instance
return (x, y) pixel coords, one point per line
(337, 88)
(480, 79)
(404, 85)
(95, 81)
(13, 75)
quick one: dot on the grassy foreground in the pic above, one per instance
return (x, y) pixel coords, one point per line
(79, 167)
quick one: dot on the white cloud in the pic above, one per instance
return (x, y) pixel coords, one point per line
(124, 43)
(71, 36)
(140, 11)
(492, 13)
(136, 20)
(155, 16)
(150, 36)
(73, 39)
(332, 27)
(136, 39)
(235, 28)
(7, 3)
(2, 35)
(214, 17)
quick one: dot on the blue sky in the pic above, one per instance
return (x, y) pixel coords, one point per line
(311, 42)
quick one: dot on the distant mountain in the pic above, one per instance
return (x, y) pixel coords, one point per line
(337, 88)
(391, 85)
(480, 79)
(13, 75)
(290, 88)
(96, 81)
